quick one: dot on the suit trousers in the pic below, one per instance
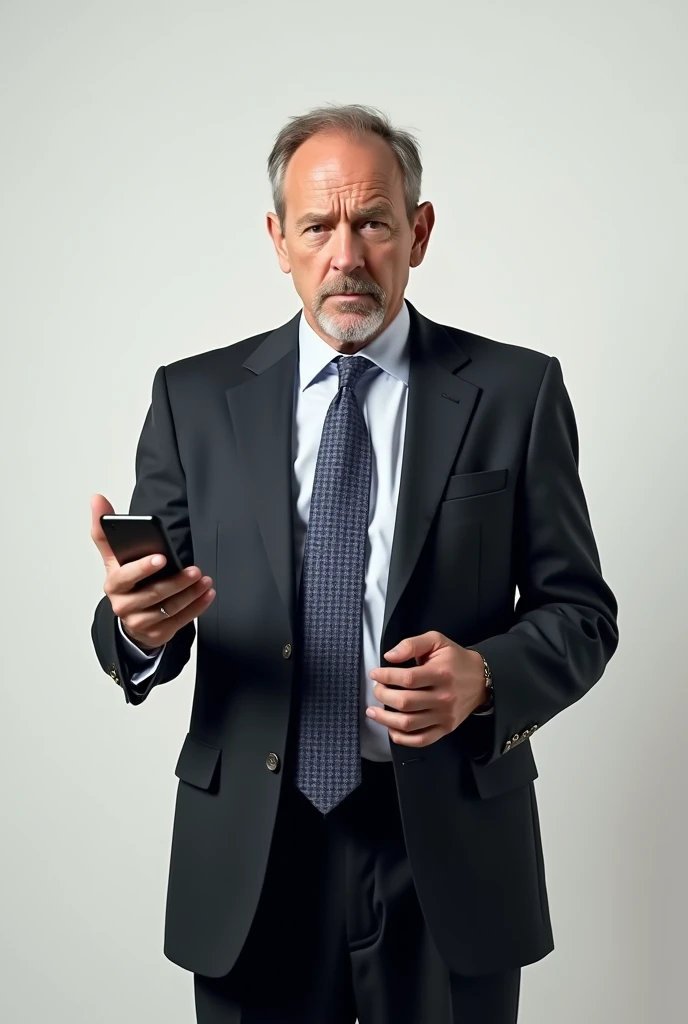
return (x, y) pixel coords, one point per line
(339, 934)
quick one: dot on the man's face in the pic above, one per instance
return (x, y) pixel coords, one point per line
(347, 240)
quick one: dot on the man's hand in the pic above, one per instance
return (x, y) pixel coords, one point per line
(186, 595)
(447, 685)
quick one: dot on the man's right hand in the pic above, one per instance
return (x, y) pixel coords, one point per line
(185, 595)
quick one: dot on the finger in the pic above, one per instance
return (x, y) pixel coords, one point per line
(406, 700)
(176, 601)
(417, 739)
(126, 601)
(156, 629)
(141, 617)
(195, 609)
(122, 578)
(402, 722)
(100, 506)
(409, 678)
(416, 646)
(132, 572)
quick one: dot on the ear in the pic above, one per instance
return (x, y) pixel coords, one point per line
(423, 222)
(275, 232)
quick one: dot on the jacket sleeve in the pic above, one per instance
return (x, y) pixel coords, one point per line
(565, 630)
(160, 489)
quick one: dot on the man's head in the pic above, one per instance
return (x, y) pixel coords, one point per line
(347, 224)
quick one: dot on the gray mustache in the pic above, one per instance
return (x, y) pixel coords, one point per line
(357, 289)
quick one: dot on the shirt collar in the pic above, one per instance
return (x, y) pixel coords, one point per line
(389, 350)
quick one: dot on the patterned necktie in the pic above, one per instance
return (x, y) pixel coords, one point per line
(328, 764)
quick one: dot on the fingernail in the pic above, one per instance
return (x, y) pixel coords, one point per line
(157, 559)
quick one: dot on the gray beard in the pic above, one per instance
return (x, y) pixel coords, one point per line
(363, 327)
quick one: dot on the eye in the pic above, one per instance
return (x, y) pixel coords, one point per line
(375, 223)
(311, 227)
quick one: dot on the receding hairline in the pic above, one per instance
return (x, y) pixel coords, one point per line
(353, 121)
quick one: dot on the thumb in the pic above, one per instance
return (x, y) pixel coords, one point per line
(416, 646)
(100, 506)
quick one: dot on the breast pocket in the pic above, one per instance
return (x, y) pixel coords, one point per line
(469, 485)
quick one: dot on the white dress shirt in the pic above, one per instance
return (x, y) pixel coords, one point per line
(382, 395)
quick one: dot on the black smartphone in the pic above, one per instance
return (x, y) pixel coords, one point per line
(132, 537)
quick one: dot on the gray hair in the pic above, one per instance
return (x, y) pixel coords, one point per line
(353, 120)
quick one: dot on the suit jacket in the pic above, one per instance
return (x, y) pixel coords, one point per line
(490, 500)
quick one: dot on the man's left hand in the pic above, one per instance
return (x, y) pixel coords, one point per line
(445, 687)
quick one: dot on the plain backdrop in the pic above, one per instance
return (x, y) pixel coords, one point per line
(132, 201)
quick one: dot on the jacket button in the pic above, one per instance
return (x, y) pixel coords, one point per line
(272, 762)
(286, 651)
(113, 673)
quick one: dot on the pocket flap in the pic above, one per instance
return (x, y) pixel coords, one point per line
(464, 485)
(513, 769)
(197, 762)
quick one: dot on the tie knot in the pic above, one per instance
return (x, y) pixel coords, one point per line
(351, 369)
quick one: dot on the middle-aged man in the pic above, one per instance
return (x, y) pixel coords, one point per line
(356, 831)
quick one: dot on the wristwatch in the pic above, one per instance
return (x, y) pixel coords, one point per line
(489, 703)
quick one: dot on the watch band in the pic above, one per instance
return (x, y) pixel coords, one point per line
(489, 703)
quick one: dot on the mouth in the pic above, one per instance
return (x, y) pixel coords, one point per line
(349, 297)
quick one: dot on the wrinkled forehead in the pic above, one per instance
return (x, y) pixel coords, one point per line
(331, 172)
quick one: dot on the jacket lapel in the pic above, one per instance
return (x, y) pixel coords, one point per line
(261, 409)
(439, 409)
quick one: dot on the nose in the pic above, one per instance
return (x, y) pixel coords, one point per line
(348, 252)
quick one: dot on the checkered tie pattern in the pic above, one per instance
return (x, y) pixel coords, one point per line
(328, 762)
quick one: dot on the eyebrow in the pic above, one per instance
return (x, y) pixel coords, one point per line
(363, 213)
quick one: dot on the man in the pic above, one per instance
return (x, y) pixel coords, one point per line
(356, 831)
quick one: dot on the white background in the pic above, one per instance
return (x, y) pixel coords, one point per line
(133, 193)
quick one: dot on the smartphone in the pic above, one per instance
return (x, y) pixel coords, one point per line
(132, 537)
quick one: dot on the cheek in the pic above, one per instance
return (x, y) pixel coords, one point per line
(389, 268)
(399, 275)
(304, 275)
(307, 263)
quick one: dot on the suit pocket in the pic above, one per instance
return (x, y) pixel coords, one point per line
(466, 485)
(511, 770)
(198, 763)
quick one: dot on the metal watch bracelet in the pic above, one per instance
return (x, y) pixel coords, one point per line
(489, 703)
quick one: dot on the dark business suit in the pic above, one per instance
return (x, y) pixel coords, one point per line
(490, 499)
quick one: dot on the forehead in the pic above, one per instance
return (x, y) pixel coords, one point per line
(329, 169)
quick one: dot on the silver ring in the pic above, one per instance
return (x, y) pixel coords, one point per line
(162, 609)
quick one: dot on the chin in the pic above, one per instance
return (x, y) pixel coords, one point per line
(351, 326)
